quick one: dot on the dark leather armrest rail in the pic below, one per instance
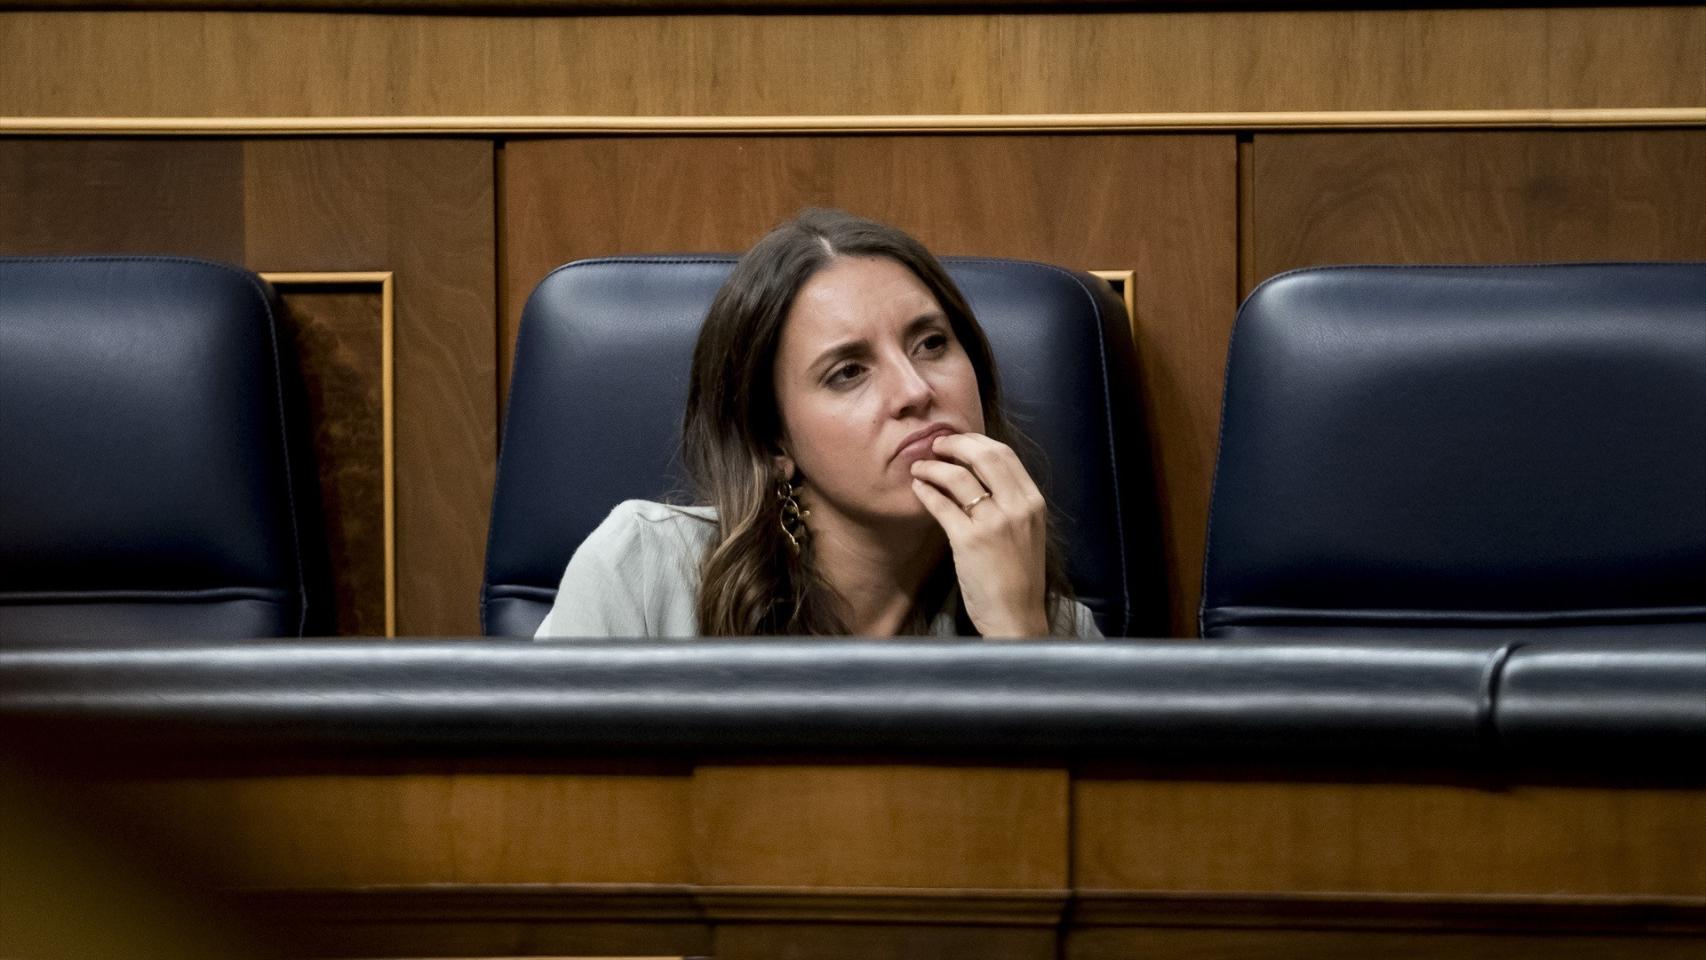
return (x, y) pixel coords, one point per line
(1165, 700)
(1369, 707)
(1636, 705)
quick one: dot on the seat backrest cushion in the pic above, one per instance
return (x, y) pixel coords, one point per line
(1435, 448)
(151, 486)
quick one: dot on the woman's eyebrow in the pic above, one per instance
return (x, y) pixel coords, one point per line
(854, 348)
(840, 351)
(925, 320)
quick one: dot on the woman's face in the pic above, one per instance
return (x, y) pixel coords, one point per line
(868, 372)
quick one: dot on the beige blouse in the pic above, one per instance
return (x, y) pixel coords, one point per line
(637, 575)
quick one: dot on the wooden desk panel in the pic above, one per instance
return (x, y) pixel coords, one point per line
(348, 831)
(1389, 838)
(911, 860)
(898, 826)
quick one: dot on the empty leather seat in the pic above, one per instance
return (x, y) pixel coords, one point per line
(154, 482)
(1424, 451)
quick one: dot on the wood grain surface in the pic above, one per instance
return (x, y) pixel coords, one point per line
(350, 831)
(1163, 206)
(337, 334)
(1198, 944)
(422, 209)
(1391, 838)
(828, 941)
(889, 826)
(201, 64)
(122, 196)
(772, 860)
(1482, 197)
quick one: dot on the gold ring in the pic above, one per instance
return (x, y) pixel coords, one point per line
(975, 501)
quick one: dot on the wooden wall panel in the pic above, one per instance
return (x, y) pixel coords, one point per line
(340, 349)
(423, 209)
(122, 196)
(1161, 205)
(322, 64)
(1477, 197)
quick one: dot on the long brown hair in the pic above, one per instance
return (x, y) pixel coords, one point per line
(752, 580)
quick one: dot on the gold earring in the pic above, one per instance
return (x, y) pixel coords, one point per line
(793, 515)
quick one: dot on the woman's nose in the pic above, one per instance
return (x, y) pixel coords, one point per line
(909, 391)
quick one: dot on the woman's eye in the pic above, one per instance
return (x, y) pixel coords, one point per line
(933, 343)
(846, 373)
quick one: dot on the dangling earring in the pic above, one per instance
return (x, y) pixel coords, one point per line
(793, 515)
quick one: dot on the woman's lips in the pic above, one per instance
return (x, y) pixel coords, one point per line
(918, 446)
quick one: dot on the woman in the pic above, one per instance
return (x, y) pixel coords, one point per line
(844, 424)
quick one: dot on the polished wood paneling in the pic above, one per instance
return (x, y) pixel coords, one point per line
(828, 941)
(122, 196)
(422, 209)
(337, 333)
(268, 64)
(1163, 206)
(771, 860)
(342, 831)
(1393, 838)
(1282, 944)
(1483, 197)
(856, 826)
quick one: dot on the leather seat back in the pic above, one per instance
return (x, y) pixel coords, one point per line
(1429, 449)
(154, 483)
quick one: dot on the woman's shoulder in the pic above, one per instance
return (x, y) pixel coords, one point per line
(647, 524)
(635, 575)
(649, 541)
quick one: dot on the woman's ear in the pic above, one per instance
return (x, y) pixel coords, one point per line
(785, 466)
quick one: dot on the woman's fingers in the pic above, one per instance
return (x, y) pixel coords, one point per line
(947, 513)
(956, 481)
(1000, 545)
(994, 464)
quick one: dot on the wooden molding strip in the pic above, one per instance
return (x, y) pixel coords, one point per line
(664, 903)
(1033, 908)
(466, 7)
(1554, 913)
(728, 6)
(921, 123)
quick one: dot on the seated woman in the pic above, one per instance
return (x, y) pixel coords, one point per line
(844, 424)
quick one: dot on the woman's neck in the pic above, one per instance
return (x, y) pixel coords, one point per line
(879, 573)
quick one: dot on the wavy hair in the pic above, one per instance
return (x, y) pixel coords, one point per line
(752, 581)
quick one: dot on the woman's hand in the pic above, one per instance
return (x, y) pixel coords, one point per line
(997, 525)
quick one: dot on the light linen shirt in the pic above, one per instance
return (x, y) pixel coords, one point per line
(637, 575)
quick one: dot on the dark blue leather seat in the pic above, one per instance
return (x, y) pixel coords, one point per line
(600, 383)
(154, 482)
(1427, 451)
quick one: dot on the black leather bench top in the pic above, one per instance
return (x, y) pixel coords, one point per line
(1371, 707)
